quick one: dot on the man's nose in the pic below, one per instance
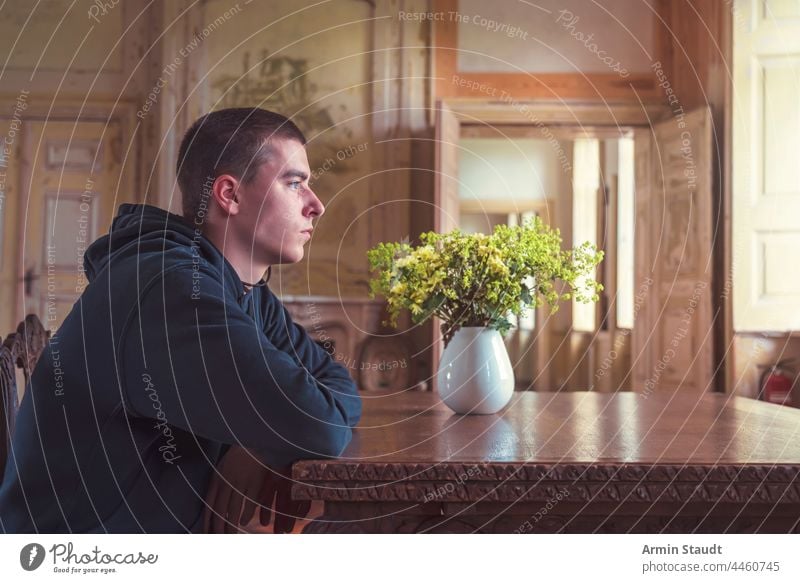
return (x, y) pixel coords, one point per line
(317, 207)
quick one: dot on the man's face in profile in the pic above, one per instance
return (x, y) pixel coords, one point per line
(277, 206)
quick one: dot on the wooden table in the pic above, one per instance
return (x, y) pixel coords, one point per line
(563, 462)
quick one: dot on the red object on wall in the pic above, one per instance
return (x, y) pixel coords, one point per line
(775, 385)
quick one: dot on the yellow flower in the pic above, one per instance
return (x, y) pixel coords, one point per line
(488, 276)
(405, 261)
(425, 253)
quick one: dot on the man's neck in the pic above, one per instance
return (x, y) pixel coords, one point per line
(249, 272)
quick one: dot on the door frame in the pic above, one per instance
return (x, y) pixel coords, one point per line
(122, 112)
(561, 118)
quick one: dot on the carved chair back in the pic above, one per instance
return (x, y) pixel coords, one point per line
(20, 349)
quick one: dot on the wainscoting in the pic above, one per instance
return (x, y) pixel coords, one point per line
(378, 358)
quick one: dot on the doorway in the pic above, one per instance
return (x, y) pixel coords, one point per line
(65, 179)
(607, 175)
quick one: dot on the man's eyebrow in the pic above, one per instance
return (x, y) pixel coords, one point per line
(294, 174)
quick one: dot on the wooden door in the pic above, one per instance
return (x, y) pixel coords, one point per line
(70, 182)
(766, 166)
(644, 270)
(672, 334)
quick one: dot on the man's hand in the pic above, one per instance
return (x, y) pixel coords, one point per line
(240, 484)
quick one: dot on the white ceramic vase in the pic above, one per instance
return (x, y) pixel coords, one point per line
(475, 374)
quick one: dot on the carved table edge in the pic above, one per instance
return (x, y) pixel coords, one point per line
(314, 471)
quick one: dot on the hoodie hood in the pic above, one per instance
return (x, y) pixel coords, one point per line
(142, 230)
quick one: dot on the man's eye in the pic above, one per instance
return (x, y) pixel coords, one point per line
(295, 184)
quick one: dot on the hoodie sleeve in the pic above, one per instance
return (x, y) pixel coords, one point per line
(293, 339)
(195, 360)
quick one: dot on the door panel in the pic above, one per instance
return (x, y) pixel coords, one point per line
(644, 230)
(672, 335)
(766, 159)
(71, 174)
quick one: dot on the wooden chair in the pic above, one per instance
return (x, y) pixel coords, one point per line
(20, 349)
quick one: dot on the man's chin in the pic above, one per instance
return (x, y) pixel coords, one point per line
(289, 258)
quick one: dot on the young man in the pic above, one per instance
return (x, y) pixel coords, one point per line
(177, 350)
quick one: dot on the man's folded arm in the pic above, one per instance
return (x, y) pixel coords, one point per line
(195, 360)
(293, 339)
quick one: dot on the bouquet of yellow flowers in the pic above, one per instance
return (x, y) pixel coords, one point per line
(480, 280)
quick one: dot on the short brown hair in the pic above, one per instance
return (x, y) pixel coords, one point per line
(229, 141)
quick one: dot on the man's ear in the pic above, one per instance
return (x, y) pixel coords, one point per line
(226, 192)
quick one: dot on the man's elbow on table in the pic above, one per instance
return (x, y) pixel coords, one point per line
(330, 441)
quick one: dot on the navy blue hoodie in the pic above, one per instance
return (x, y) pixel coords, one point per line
(162, 363)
